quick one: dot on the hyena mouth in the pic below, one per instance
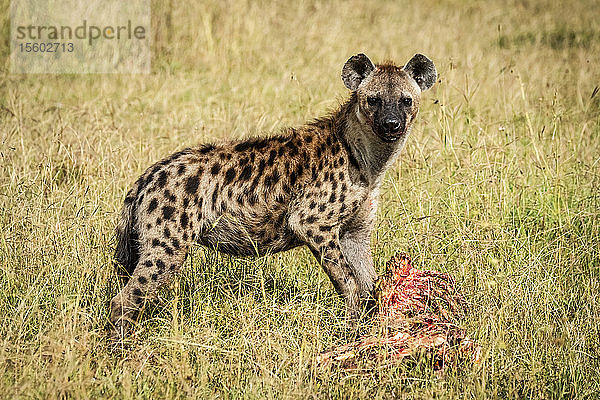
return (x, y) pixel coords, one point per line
(391, 135)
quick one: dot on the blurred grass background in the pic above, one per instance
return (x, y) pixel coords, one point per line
(498, 185)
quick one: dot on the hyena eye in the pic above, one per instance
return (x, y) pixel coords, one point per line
(373, 101)
(407, 101)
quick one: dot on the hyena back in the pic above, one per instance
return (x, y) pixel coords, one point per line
(316, 186)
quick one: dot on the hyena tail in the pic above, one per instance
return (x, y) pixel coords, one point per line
(127, 253)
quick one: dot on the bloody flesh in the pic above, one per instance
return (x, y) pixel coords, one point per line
(418, 314)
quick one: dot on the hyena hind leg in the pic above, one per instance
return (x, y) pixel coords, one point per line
(155, 268)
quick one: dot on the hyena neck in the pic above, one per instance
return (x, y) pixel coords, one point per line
(373, 155)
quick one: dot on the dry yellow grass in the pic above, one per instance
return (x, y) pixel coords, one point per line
(498, 185)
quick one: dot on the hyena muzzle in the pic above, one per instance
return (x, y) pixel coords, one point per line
(317, 186)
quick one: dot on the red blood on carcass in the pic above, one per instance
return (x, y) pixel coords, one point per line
(419, 312)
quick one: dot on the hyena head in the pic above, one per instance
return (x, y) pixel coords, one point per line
(388, 96)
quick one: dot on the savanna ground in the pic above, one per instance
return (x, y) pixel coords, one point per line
(498, 185)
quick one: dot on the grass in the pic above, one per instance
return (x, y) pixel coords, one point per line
(498, 185)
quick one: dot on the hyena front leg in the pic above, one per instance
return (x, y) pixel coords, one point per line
(329, 253)
(325, 246)
(159, 261)
(356, 248)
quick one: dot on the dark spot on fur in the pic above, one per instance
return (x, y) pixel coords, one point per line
(309, 233)
(342, 198)
(271, 180)
(272, 155)
(137, 292)
(318, 239)
(215, 168)
(167, 232)
(256, 144)
(180, 169)
(206, 148)
(311, 219)
(148, 264)
(214, 196)
(184, 220)
(293, 148)
(175, 243)
(170, 196)
(186, 202)
(246, 173)
(185, 236)
(162, 179)
(152, 206)
(160, 265)
(325, 228)
(322, 207)
(142, 280)
(154, 277)
(168, 212)
(332, 198)
(293, 178)
(155, 242)
(335, 149)
(308, 139)
(229, 175)
(312, 205)
(191, 186)
(343, 208)
(129, 199)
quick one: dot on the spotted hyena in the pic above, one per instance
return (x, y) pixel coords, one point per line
(317, 185)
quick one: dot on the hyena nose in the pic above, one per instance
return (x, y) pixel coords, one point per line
(391, 125)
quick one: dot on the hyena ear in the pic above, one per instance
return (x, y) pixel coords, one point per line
(356, 69)
(422, 70)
